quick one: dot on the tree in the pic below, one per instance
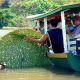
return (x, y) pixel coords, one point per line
(23, 8)
(5, 17)
(32, 6)
(27, 7)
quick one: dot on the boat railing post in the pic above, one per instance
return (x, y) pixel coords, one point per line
(45, 25)
(64, 32)
(38, 25)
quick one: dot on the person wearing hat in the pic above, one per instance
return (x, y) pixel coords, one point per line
(76, 23)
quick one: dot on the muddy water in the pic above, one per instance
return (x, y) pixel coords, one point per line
(4, 32)
(38, 74)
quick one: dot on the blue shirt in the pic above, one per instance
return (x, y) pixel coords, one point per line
(76, 30)
(71, 28)
(56, 40)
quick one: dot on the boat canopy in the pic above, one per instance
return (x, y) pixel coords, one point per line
(69, 9)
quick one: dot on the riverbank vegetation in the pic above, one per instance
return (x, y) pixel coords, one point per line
(14, 12)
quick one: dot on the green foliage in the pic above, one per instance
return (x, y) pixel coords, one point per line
(18, 53)
(6, 17)
(19, 21)
(62, 2)
(23, 8)
(32, 6)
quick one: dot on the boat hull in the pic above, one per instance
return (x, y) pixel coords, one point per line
(69, 60)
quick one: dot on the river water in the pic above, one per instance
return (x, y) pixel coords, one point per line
(38, 74)
(4, 32)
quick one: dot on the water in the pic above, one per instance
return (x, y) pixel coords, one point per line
(38, 74)
(4, 32)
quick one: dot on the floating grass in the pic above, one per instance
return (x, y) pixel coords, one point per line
(18, 53)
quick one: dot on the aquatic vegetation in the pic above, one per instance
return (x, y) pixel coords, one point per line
(18, 53)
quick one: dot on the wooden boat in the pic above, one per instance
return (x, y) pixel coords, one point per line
(66, 59)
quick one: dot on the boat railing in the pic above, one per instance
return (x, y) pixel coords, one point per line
(74, 44)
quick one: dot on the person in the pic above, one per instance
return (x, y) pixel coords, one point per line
(76, 23)
(69, 25)
(41, 27)
(55, 36)
(48, 24)
(35, 27)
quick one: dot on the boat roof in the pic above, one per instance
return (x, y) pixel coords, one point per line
(56, 11)
(33, 16)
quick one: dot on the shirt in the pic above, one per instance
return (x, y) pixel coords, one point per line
(76, 30)
(56, 40)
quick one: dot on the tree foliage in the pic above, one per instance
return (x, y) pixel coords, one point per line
(5, 17)
(23, 8)
(37, 6)
(33, 6)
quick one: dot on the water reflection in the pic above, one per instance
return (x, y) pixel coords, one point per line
(39, 74)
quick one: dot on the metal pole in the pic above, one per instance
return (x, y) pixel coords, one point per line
(64, 31)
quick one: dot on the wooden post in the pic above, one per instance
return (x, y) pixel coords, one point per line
(38, 25)
(45, 25)
(64, 31)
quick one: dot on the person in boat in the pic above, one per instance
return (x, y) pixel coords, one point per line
(76, 22)
(76, 28)
(41, 28)
(35, 27)
(48, 24)
(69, 25)
(55, 36)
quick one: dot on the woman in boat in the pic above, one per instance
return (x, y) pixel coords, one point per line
(55, 36)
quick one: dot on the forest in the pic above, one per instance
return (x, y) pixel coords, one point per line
(13, 12)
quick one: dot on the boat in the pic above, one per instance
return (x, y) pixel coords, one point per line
(67, 59)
